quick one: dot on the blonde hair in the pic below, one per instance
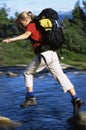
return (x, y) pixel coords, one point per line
(24, 15)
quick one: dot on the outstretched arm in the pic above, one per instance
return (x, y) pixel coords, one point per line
(20, 37)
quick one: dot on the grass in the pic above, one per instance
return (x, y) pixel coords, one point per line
(15, 53)
(21, 52)
(74, 59)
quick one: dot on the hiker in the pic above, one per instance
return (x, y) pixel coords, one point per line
(45, 58)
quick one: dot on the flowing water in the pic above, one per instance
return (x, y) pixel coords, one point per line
(53, 108)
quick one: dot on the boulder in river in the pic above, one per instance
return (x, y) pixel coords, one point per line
(11, 74)
(78, 120)
(8, 123)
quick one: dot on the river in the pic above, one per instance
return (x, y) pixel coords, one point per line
(54, 106)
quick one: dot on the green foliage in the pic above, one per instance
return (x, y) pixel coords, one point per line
(75, 32)
(7, 25)
(3, 16)
(19, 52)
(74, 59)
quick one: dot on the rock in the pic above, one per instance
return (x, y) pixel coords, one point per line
(8, 123)
(79, 120)
(11, 74)
(1, 72)
(65, 66)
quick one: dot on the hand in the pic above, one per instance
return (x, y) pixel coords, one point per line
(8, 40)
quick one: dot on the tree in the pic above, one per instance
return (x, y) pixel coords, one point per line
(84, 9)
(76, 29)
(78, 14)
(84, 3)
(7, 26)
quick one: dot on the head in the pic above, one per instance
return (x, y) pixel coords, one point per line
(24, 19)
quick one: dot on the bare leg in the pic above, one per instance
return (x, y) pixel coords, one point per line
(29, 89)
(72, 92)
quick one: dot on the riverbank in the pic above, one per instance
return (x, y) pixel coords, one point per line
(18, 69)
(21, 53)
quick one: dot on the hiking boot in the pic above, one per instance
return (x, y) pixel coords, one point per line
(77, 103)
(29, 102)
